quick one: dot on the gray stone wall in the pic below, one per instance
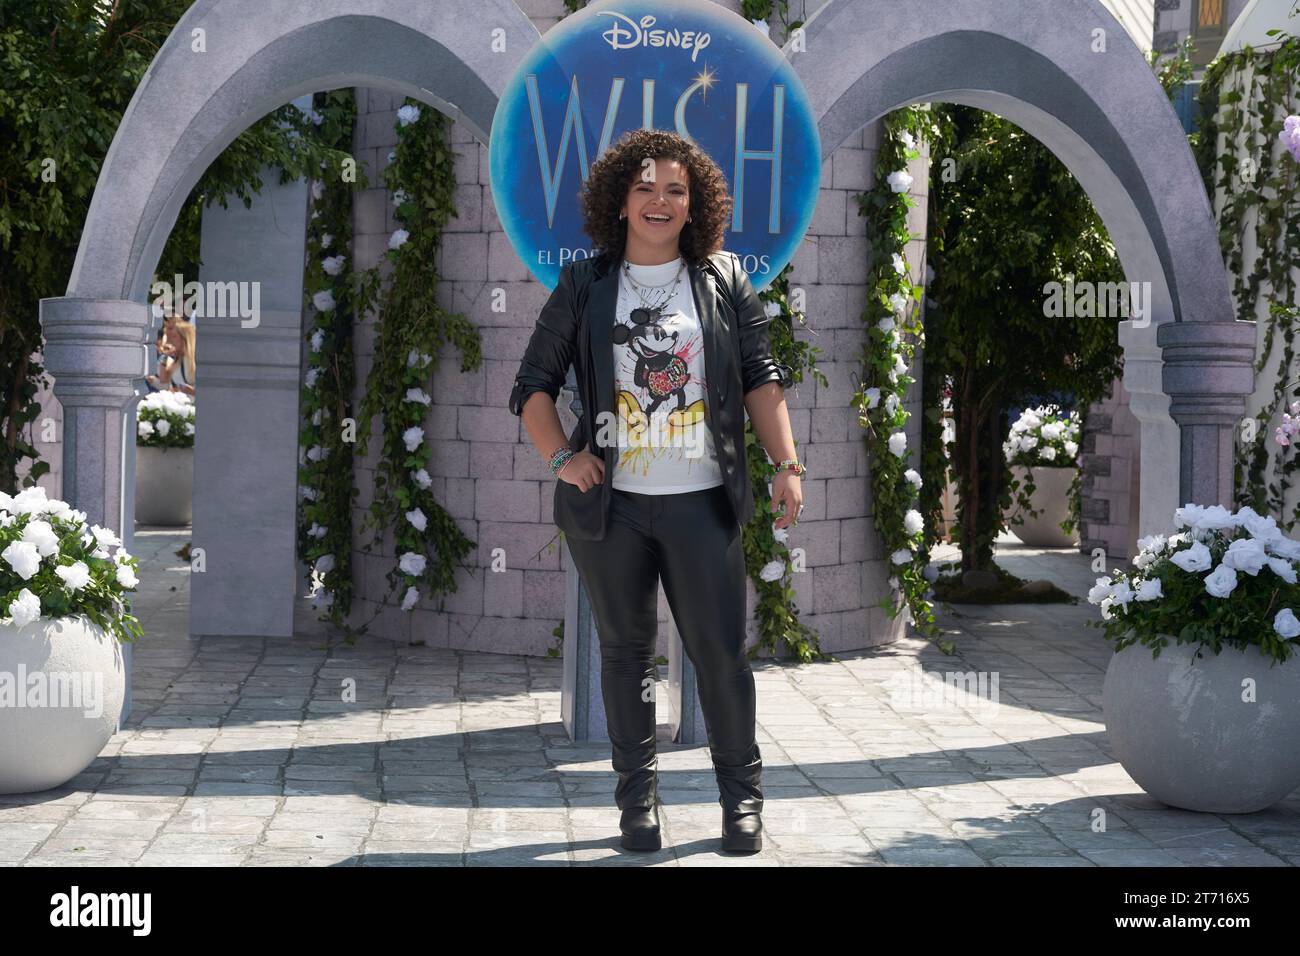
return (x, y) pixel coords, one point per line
(499, 490)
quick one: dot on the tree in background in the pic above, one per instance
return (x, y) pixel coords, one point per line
(68, 70)
(1005, 219)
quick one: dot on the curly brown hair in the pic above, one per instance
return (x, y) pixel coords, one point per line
(612, 176)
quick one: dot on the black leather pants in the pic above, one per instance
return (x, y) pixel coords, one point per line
(693, 541)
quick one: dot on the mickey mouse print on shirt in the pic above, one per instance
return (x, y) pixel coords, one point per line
(665, 446)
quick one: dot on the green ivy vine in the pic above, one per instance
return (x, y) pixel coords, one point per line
(1244, 99)
(767, 554)
(894, 330)
(410, 334)
(335, 294)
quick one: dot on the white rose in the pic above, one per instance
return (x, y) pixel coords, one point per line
(1028, 443)
(1121, 594)
(332, 265)
(413, 436)
(772, 571)
(898, 443)
(324, 564)
(1149, 590)
(891, 404)
(408, 114)
(1259, 526)
(913, 523)
(412, 563)
(398, 239)
(1071, 449)
(409, 598)
(325, 240)
(323, 300)
(1048, 453)
(1152, 543)
(105, 537)
(1283, 569)
(25, 608)
(315, 453)
(898, 301)
(1216, 518)
(417, 519)
(873, 397)
(422, 478)
(1100, 591)
(163, 426)
(317, 340)
(899, 265)
(418, 395)
(144, 429)
(1285, 624)
(913, 477)
(1221, 581)
(1188, 515)
(781, 534)
(900, 181)
(902, 556)
(886, 324)
(126, 577)
(1246, 554)
(42, 535)
(312, 375)
(23, 558)
(1193, 559)
(75, 576)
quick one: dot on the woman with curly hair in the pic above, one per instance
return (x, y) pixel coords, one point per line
(670, 344)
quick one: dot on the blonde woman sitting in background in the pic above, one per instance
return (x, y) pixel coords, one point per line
(182, 372)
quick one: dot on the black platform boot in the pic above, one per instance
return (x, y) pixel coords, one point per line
(742, 830)
(639, 823)
(640, 828)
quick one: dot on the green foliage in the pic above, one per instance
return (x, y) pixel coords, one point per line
(1185, 610)
(1244, 99)
(325, 475)
(776, 614)
(1006, 218)
(412, 331)
(894, 332)
(73, 542)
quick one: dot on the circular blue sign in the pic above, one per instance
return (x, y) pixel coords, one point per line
(688, 66)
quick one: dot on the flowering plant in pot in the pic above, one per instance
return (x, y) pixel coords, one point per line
(164, 460)
(1206, 721)
(1042, 449)
(63, 614)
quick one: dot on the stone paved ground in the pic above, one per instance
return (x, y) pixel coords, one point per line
(243, 752)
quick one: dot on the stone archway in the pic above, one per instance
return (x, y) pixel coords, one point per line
(1104, 114)
(225, 65)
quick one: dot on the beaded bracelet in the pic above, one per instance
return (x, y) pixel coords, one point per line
(559, 457)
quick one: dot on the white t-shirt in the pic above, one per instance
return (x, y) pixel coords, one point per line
(665, 446)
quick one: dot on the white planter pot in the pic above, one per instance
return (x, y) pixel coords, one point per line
(164, 483)
(1182, 727)
(1051, 499)
(46, 741)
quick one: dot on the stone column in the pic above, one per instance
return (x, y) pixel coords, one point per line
(246, 447)
(1208, 372)
(1158, 493)
(95, 350)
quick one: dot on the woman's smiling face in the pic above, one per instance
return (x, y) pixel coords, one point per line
(657, 204)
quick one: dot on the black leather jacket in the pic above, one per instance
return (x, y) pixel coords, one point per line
(575, 327)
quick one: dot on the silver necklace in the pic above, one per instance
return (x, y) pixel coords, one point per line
(648, 312)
